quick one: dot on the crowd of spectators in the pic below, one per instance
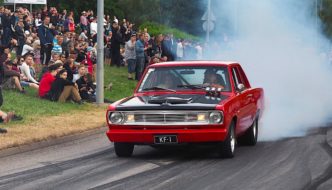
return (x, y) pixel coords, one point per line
(54, 53)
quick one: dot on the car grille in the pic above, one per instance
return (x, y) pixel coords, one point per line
(167, 118)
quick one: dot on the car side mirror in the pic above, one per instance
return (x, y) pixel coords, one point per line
(241, 87)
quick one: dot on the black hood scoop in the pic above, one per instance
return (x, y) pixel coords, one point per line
(169, 100)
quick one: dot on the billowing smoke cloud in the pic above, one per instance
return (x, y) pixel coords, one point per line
(279, 44)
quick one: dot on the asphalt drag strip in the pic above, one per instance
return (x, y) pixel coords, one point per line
(91, 163)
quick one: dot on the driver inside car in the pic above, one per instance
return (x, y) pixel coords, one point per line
(213, 79)
(167, 81)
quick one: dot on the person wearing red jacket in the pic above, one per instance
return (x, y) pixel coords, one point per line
(47, 79)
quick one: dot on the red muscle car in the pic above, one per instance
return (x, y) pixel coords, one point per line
(188, 102)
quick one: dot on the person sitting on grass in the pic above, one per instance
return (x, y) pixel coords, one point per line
(5, 117)
(12, 78)
(70, 68)
(63, 89)
(81, 72)
(47, 79)
(86, 88)
(28, 72)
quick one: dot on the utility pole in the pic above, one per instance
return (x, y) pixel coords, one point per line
(100, 52)
(208, 22)
(208, 18)
(236, 14)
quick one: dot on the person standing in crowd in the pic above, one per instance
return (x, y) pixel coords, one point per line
(38, 21)
(13, 21)
(116, 41)
(167, 48)
(7, 32)
(129, 31)
(71, 24)
(19, 33)
(180, 50)
(45, 12)
(46, 36)
(93, 27)
(199, 51)
(140, 57)
(54, 18)
(147, 49)
(84, 21)
(130, 55)
(108, 48)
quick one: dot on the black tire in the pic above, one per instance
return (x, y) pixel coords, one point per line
(251, 135)
(227, 148)
(123, 149)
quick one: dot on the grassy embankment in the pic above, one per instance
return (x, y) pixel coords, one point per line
(31, 107)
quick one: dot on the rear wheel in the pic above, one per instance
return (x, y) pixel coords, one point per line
(123, 149)
(227, 148)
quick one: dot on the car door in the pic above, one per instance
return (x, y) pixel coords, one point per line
(250, 95)
(245, 98)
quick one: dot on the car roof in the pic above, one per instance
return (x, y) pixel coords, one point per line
(194, 63)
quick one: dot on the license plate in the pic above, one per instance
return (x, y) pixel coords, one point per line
(165, 139)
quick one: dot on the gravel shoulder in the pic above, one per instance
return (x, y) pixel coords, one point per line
(53, 127)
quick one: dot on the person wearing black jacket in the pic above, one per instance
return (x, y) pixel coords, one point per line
(7, 32)
(63, 89)
(86, 88)
(116, 41)
(46, 36)
(19, 34)
(69, 64)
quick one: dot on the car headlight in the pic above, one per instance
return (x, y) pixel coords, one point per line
(216, 117)
(116, 118)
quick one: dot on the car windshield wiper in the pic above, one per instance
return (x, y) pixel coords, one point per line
(192, 86)
(158, 88)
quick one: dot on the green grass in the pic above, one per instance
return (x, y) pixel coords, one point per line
(122, 87)
(30, 106)
(155, 29)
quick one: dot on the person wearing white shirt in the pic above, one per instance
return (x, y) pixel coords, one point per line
(93, 27)
(199, 50)
(179, 50)
(81, 72)
(38, 20)
(83, 36)
(27, 48)
(26, 68)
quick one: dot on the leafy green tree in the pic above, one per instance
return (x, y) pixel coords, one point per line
(182, 14)
(325, 14)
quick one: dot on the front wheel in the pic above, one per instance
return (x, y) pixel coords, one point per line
(123, 149)
(227, 148)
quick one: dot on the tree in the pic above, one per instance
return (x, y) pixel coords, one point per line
(325, 14)
(181, 14)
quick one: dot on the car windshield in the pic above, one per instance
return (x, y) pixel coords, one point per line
(186, 78)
